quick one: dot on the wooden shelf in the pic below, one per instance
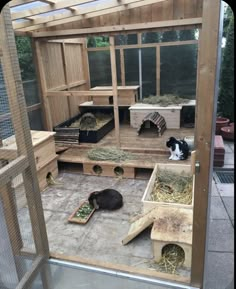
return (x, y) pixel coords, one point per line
(90, 104)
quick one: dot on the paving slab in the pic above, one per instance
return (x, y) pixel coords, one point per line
(220, 270)
(228, 148)
(229, 159)
(229, 204)
(214, 190)
(225, 190)
(221, 236)
(217, 210)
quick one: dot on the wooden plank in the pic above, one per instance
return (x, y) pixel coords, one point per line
(199, 8)
(158, 71)
(168, 10)
(148, 45)
(80, 93)
(118, 28)
(120, 88)
(65, 69)
(122, 66)
(157, 12)
(34, 107)
(114, 89)
(190, 8)
(10, 213)
(86, 65)
(14, 3)
(82, 13)
(70, 85)
(178, 9)
(139, 225)
(208, 72)
(42, 84)
(17, 104)
(13, 169)
(47, 8)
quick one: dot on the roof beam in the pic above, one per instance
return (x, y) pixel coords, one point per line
(96, 10)
(47, 8)
(15, 3)
(118, 28)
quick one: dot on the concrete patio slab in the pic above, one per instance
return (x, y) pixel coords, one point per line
(220, 270)
(217, 210)
(221, 236)
(225, 190)
(229, 204)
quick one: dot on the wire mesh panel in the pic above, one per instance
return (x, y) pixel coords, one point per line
(179, 70)
(22, 227)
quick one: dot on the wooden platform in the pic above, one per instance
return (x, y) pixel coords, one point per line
(148, 142)
(148, 149)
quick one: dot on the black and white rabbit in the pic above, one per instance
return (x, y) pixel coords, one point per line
(178, 148)
(107, 199)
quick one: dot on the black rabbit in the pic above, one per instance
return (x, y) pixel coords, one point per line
(107, 199)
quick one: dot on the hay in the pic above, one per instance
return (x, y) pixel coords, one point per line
(109, 153)
(165, 100)
(172, 258)
(171, 187)
(101, 120)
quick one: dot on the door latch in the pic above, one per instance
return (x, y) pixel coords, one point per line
(197, 167)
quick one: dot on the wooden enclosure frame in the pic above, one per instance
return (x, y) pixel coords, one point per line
(208, 69)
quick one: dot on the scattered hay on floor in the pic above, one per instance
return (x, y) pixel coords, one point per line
(171, 187)
(172, 258)
(165, 100)
(109, 153)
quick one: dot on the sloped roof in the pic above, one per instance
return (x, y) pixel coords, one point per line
(31, 15)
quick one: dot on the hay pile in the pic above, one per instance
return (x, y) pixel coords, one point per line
(90, 121)
(171, 187)
(109, 153)
(172, 258)
(165, 100)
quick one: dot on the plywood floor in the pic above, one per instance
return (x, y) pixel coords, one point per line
(148, 140)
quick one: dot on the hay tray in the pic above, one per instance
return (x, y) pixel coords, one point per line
(91, 136)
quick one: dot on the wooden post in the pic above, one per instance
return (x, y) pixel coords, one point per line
(20, 122)
(158, 71)
(122, 66)
(86, 65)
(114, 89)
(207, 90)
(43, 86)
(65, 68)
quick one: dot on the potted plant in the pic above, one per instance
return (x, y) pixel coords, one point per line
(221, 122)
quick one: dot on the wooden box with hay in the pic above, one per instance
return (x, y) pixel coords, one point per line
(88, 128)
(169, 185)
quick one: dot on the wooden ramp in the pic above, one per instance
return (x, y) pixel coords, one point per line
(139, 225)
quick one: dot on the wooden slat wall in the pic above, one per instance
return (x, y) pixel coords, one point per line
(60, 74)
(75, 101)
(59, 109)
(74, 61)
(53, 64)
(168, 10)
